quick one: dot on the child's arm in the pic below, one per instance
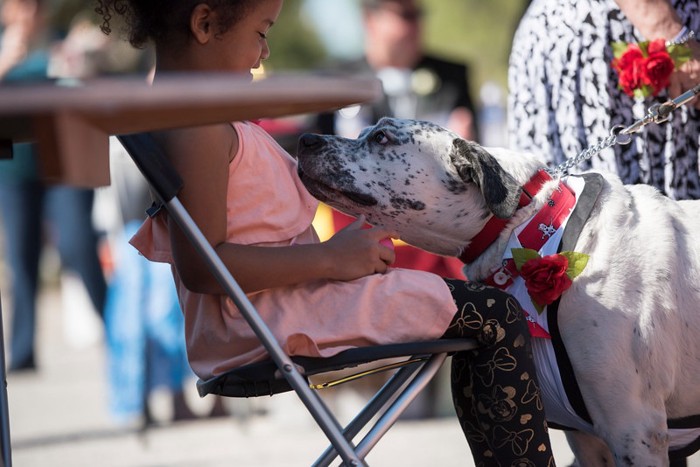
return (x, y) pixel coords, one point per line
(201, 155)
(350, 254)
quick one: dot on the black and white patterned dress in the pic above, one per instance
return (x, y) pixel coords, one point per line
(564, 96)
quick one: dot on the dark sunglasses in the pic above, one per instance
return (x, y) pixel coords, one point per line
(412, 16)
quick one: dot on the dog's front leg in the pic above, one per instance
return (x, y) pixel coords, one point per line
(621, 390)
(589, 450)
(631, 437)
(633, 427)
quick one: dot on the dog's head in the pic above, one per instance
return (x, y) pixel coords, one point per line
(435, 189)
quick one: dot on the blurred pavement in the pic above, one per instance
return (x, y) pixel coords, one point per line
(59, 416)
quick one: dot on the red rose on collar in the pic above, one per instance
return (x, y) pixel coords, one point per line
(546, 278)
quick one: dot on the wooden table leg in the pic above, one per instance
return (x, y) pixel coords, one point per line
(72, 150)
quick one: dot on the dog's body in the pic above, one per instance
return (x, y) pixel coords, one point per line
(630, 322)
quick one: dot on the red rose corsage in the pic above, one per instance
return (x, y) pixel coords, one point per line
(645, 68)
(546, 278)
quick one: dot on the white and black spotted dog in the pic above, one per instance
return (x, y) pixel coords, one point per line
(619, 362)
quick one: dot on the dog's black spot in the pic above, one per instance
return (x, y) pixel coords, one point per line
(455, 186)
(344, 178)
(462, 213)
(404, 203)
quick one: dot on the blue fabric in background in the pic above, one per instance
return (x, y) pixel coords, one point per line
(145, 331)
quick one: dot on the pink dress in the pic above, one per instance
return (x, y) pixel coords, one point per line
(268, 205)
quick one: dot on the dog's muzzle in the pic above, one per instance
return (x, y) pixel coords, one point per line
(321, 182)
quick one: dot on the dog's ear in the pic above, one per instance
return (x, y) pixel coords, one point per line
(474, 164)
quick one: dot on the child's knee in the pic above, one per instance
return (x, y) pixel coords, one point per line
(487, 313)
(503, 317)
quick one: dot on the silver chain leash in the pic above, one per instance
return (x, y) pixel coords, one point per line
(657, 113)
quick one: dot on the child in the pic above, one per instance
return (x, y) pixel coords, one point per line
(318, 298)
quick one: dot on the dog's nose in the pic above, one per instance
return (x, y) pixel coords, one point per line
(310, 141)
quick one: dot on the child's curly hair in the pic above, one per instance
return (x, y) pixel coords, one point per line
(164, 21)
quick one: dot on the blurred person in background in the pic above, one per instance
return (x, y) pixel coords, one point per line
(416, 84)
(565, 95)
(145, 330)
(26, 202)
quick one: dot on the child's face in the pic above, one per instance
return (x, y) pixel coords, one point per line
(244, 46)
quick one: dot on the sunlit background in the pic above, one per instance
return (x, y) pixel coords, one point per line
(474, 31)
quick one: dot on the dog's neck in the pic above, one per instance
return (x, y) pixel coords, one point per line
(493, 228)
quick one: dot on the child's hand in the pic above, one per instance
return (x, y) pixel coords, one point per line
(358, 252)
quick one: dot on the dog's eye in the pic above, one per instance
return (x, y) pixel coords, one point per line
(381, 138)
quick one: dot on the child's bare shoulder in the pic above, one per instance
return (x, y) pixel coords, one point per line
(212, 142)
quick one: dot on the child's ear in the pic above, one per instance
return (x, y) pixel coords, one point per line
(202, 23)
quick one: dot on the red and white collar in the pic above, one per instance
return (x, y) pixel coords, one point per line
(495, 225)
(534, 233)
